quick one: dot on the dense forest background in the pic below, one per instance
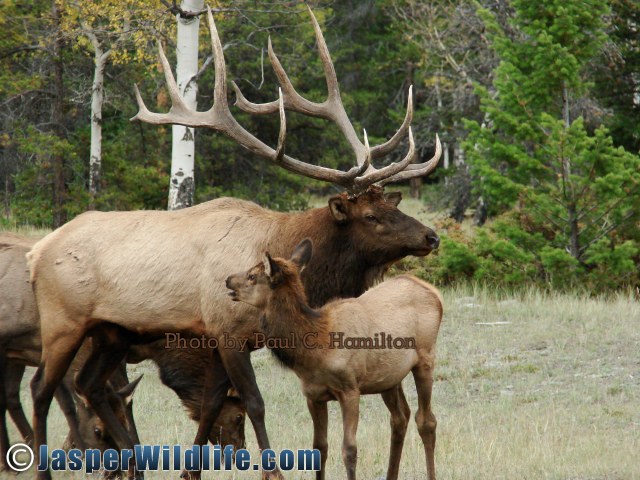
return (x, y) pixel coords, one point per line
(537, 105)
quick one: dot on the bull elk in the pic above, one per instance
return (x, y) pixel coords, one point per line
(153, 272)
(403, 309)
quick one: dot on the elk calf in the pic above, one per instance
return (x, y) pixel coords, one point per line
(396, 322)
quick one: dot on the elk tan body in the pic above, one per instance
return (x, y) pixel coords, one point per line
(330, 368)
(405, 308)
(158, 272)
(18, 311)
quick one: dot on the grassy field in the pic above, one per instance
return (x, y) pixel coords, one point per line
(536, 387)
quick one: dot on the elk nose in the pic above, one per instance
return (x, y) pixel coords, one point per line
(228, 282)
(433, 241)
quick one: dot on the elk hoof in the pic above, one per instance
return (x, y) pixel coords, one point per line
(273, 475)
(194, 475)
(136, 475)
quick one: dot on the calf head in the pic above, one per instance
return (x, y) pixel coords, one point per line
(92, 429)
(257, 285)
(228, 428)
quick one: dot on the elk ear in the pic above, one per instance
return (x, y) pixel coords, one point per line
(394, 198)
(271, 268)
(302, 253)
(338, 209)
(126, 392)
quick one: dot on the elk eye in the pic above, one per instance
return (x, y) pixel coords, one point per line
(372, 219)
(252, 277)
(239, 418)
(98, 432)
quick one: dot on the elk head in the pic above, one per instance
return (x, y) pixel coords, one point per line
(91, 428)
(381, 231)
(256, 286)
(228, 429)
(356, 180)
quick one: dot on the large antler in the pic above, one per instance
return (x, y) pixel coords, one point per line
(219, 118)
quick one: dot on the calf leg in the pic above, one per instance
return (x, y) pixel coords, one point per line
(110, 345)
(240, 371)
(320, 419)
(13, 378)
(350, 405)
(400, 412)
(426, 421)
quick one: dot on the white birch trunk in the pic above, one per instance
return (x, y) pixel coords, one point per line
(181, 188)
(97, 100)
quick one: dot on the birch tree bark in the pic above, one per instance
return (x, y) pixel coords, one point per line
(97, 99)
(101, 53)
(182, 186)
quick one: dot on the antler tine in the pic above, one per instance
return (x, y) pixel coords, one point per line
(282, 136)
(379, 175)
(250, 107)
(417, 170)
(178, 107)
(391, 144)
(220, 85)
(327, 64)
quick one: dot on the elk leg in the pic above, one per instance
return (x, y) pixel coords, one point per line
(4, 432)
(216, 384)
(320, 417)
(64, 397)
(240, 371)
(426, 421)
(57, 355)
(110, 346)
(13, 378)
(350, 405)
(400, 412)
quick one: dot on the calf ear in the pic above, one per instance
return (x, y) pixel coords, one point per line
(302, 253)
(126, 392)
(271, 268)
(393, 198)
(338, 209)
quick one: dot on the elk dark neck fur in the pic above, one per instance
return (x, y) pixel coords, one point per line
(181, 371)
(288, 313)
(337, 269)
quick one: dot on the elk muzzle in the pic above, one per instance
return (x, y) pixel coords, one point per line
(433, 240)
(233, 290)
